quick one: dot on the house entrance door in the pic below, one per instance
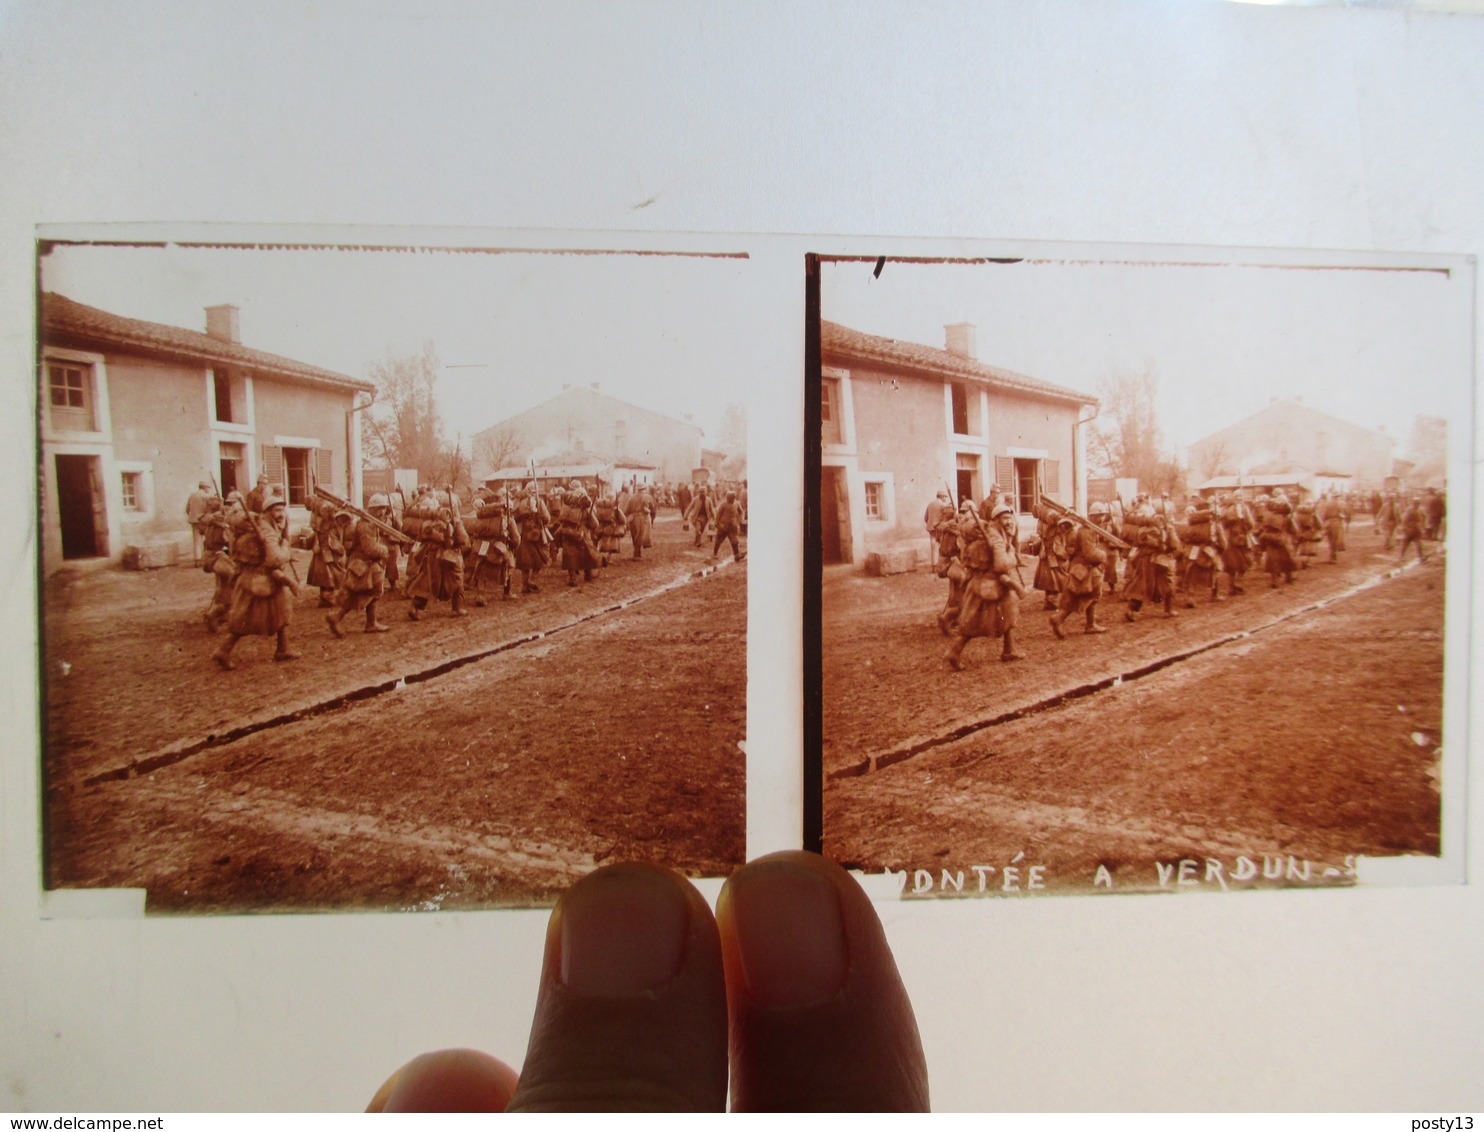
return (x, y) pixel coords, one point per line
(833, 517)
(80, 500)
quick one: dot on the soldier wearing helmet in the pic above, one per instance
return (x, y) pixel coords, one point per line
(991, 592)
(701, 512)
(1086, 555)
(368, 549)
(1102, 518)
(263, 592)
(435, 571)
(533, 517)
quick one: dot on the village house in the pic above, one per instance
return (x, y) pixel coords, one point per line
(1296, 443)
(638, 442)
(903, 421)
(134, 415)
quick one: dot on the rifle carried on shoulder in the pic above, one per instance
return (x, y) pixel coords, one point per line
(1107, 536)
(345, 505)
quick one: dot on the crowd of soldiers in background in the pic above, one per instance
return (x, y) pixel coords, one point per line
(1151, 553)
(434, 548)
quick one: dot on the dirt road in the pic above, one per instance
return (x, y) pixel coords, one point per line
(588, 728)
(1314, 739)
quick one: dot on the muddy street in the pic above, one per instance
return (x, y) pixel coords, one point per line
(1298, 727)
(606, 720)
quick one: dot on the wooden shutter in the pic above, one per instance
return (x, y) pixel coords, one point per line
(324, 468)
(1051, 473)
(1004, 473)
(273, 467)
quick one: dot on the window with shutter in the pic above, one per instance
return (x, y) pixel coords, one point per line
(1051, 477)
(1004, 472)
(273, 465)
(324, 468)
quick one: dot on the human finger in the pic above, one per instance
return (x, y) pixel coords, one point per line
(820, 1020)
(450, 1080)
(631, 1010)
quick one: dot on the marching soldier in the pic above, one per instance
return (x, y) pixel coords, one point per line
(700, 513)
(1052, 553)
(950, 565)
(576, 524)
(639, 506)
(494, 540)
(367, 551)
(262, 595)
(532, 517)
(1310, 533)
(436, 570)
(612, 523)
(1102, 518)
(1084, 578)
(1278, 532)
(1238, 523)
(991, 596)
(1203, 538)
(1151, 564)
(728, 524)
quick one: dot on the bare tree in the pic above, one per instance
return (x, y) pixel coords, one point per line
(497, 447)
(1215, 458)
(402, 429)
(1127, 436)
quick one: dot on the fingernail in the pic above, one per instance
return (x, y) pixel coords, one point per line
(790, 934)
(623, 932)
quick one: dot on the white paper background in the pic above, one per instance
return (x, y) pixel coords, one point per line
(1181, 123)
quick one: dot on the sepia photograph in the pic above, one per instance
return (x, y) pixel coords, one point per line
(1134, 570)
(388, 577)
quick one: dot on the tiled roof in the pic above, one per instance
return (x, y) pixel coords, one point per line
(841, 342)
(61, 318)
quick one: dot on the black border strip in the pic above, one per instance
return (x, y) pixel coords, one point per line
(813, 817)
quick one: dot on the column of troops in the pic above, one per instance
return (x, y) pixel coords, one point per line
(1166, 559)
(497, 549)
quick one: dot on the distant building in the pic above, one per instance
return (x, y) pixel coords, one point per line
(1288, 438)
(582, 418)
(135, 414)
(903, 421)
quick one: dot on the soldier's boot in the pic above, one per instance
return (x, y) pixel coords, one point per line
(588, 576)
(1010, 652)
(571, 577)
(223, 654)
(416, 612)
(1236, 588)
(373, 625)
(945, 624)
(285, 652)
(955, 653)
(1056, 625)
(332, 619)
(1132, 612)
(1170, 610)
(1092, 621)
(1216, 593)
(458, 605)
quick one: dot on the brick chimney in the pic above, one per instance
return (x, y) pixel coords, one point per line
(959, 337)
(223, 323)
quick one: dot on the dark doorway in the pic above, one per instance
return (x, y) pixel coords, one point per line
(834, 517)
(965, 485)
(232, 457)
(80, 500)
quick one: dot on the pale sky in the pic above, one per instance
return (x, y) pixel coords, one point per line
(1371, 347)
(510, 329)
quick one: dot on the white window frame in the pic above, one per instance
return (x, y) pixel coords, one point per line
(846, 445)
(228, 430)
(975, 398)
(102, 430)
(886, 481)
(145, 503)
